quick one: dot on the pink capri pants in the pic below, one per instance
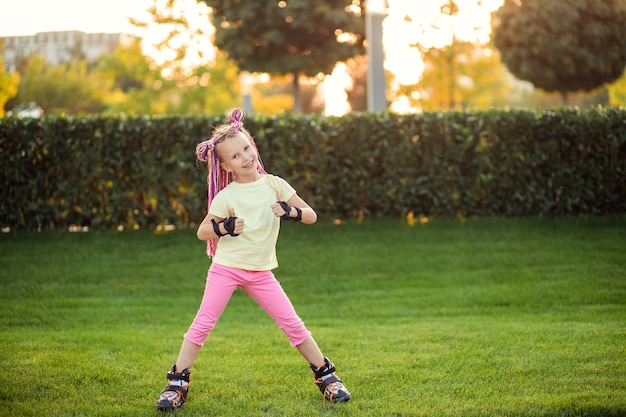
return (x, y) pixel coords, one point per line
(262, 286)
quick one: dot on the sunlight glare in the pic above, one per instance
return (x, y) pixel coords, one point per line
(409, 28)
(412, 27)
(411, 23)
(335, 96)
(197, 39)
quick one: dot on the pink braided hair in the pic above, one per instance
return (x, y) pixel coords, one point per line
(218, 177)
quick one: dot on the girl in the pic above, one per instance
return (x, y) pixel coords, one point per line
(246, 205)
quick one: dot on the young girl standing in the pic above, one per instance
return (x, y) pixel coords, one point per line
(246, 205)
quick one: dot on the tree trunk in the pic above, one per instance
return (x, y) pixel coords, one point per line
(297, 105)
(565, 98)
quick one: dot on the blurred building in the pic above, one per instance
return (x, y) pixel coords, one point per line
(58, 47)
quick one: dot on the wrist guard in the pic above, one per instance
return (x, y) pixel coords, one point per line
(287, 209)
(229, 225)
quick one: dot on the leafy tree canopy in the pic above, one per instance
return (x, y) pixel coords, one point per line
(563, 45)
(126, 81)
(65, 88)
(461, 76)
(288, 36)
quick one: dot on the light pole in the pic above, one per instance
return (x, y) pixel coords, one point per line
(375, 11)
(245, 82)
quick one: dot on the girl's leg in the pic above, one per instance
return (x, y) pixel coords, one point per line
(219, 288)
(220, 285)
(311, 352)
(269, 294)
(187, 355)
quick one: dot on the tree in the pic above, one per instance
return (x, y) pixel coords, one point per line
(617, 92)
(212, 89)
(126, 81)
(357, 94)
(463, 75)
(446, 33)
(139, 86)
(296, 37)
(8, 86)
(562, 45)
(64, 88)
(127, 66)
(179, 34)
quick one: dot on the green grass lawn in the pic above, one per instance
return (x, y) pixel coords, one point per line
(492, 317)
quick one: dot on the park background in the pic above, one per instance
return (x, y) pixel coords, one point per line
(438, 55)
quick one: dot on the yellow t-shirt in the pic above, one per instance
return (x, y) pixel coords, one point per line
(255, 248)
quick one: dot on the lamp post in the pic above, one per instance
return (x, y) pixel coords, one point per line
(376, 81)
(245, 81)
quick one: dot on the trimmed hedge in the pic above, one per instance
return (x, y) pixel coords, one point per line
(136, 172)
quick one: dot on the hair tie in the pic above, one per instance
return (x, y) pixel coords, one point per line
(236, 119)
(203, 149)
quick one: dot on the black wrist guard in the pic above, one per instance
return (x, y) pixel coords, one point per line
(216, 228)
(229, 225)
(287, 209)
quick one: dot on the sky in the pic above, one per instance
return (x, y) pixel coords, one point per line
(27, 17)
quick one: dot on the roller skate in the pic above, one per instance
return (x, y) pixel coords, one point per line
(329, 384)
(174, 394)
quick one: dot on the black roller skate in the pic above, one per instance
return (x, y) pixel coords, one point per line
(174, 394)
(329, 384)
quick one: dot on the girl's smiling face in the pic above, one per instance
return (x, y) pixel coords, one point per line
(238, 156)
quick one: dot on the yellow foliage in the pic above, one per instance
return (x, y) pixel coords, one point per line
(617, 92)
(410, 218)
